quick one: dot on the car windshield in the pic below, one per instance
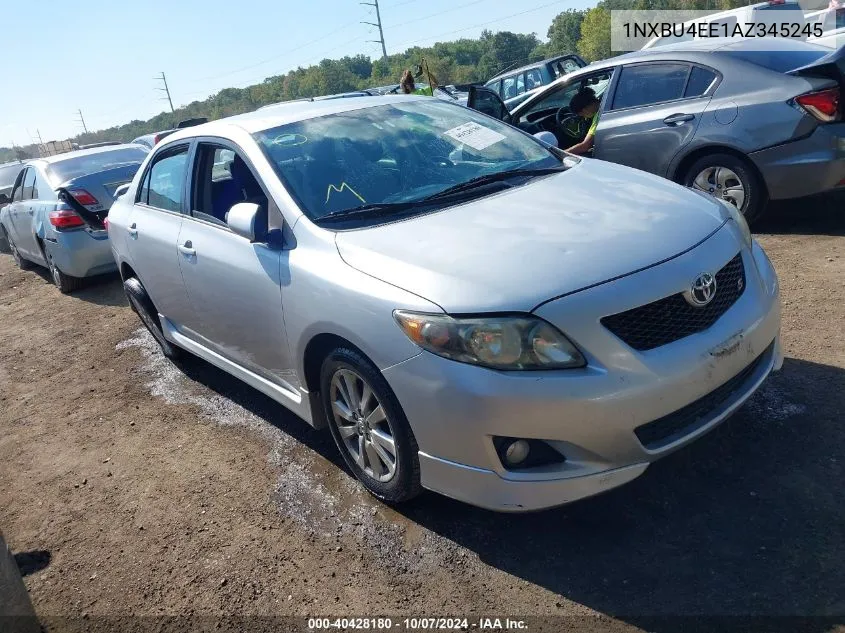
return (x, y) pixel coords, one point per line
(74, 167)
(398, 153)
(8, 173)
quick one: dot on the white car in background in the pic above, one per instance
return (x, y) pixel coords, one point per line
(832, 21)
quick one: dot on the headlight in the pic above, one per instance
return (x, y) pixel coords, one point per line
(736, 215)
(507, 342)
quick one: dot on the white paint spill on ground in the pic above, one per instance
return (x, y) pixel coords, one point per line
(302, 494)
(772, 403)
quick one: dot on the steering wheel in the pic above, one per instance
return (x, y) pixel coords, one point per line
(569, 123)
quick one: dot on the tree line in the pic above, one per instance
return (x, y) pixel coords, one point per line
(466, 60)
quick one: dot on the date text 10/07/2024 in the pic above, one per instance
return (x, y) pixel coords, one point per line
(418, 624)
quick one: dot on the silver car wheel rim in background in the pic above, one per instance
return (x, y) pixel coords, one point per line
(723, 183)
(363, 425)
(54, 270)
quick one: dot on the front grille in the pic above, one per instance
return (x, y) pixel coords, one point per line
(670, 428)
(672, 318)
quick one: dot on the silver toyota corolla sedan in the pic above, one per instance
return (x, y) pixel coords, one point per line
(467, 310)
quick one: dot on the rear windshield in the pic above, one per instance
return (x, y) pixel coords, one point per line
(77, 166)
(8, 173)
(779, 61)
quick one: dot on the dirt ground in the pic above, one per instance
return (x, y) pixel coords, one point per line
(133, 487)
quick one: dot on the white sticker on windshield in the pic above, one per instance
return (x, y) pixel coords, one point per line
(475, 135)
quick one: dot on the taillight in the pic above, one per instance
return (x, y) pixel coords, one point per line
(83, 197)
(65, 219)
(824, 105)
(156, 139)
(106, 223)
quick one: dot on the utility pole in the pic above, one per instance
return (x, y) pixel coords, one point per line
(167, 90)
(377, 23)
(81, 120)
(38, 132)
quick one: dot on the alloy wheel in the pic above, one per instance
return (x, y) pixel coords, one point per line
(721, 182)
(363, 425)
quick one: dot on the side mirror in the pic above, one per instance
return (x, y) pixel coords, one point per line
(121, 190)
(546, 138)
(4, 199)
(245, 219)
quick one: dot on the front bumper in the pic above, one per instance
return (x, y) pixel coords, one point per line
(81, 253)
(808, 166)
(590, 415)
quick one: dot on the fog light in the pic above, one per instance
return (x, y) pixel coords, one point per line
(516, 452)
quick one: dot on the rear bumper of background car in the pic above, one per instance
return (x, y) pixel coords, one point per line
(811, 165)
(81, 253)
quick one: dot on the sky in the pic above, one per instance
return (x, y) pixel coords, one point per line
(103, 56)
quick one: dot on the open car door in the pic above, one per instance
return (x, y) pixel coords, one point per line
(488, 102)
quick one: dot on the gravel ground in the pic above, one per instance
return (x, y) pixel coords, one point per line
(130, 486)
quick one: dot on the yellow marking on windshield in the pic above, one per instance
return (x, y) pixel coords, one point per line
(343, 187)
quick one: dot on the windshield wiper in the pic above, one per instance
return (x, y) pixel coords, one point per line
(376, 210)
(482, 181)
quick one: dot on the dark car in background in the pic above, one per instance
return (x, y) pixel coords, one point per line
(743, 120)
(58, 208)
(515, 85)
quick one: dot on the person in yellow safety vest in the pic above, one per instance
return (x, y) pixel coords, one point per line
(409, 88)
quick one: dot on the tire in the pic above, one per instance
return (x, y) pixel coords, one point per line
(143, 306)
(724, 176)
(4, 241)
(342, 378)
(23, 264)
(65, 283)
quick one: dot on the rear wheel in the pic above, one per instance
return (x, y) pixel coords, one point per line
(731, 179)
(65, 283)
(143, 306)
(369, 426)
(23, 264)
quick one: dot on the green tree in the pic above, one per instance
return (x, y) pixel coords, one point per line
(595, 34)
(565, 32)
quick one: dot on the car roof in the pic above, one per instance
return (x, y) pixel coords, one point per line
(705, 45)
(288, 112)
(48, 160)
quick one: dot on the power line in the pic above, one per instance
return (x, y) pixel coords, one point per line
(434, 15)
(377, 23)
(475, 26)
(167, 90)
(80, 120)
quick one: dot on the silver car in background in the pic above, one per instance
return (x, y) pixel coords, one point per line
(746, 120)
(59, 204)
(467, 310)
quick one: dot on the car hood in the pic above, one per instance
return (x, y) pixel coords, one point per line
(513, 250)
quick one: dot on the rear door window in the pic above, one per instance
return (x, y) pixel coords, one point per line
(164, 182)
(533, 79)
(645, 84)
(509, 87)
(700, 80)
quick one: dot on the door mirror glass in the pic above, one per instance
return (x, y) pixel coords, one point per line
(121, 190)
(547, 138)
(245, 219)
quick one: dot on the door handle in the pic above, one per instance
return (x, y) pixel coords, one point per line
(187, 249)
(678, 118)
(31, 211)
(133, 230)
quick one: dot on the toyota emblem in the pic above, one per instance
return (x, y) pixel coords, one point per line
(702, 290)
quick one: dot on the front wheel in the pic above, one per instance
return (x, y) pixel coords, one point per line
(4, 241)
(23, 264)
(731, 179)
(369, 426)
